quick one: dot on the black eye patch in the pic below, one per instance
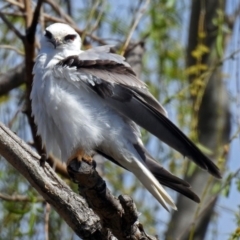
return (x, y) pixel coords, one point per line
(70, 37)
(48, 34)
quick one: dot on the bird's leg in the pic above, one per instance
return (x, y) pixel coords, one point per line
(87, 158)
(80, 156)
(43, 159)
(77, 164)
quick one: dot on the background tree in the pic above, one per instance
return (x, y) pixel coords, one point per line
(190, 64)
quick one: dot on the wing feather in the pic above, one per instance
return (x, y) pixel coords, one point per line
(109, 76)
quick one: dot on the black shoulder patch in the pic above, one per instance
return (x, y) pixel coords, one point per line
(113, 91)
(100, 64)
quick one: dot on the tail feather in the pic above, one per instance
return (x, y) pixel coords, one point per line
(164, 177)
(153, 186)
(171, 181)
(151, 174)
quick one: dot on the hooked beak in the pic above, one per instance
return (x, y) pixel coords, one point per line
(56, 42)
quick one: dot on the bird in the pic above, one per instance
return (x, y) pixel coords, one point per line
(88, 103)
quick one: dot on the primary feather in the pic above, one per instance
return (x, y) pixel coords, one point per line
(92, 100)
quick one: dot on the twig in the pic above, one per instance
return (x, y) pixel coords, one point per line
(235, 135)
(231, 19)
(12, 48)
(208, 204)
(59, 11)
(48, 17)
(198, 210)
(5, 6)
(13, 79)
(11, 26)
(94, 27)
(67, 19)
(204, 210)
(18, 4)
(69, 8)
(14, 14)
(28, 11)
(230, 56)
(140, 14)
(33, 26)
(89, 18)
(46, 220)
(20, 198)
(205, 74)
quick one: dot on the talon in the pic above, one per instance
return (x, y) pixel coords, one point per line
(87, 158)
(43, 159)
(80, 156)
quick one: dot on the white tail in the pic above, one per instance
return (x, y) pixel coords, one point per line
(152, 185)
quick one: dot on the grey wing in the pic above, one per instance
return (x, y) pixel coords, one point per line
(109, 76)
(110, 67)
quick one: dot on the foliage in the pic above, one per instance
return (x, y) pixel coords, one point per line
(164, 71)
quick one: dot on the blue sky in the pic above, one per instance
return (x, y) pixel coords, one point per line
(226, 207)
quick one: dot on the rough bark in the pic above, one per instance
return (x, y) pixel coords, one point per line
(70, 206)
(119, 215)
(213, 127)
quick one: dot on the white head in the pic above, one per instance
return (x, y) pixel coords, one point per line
(59, 37)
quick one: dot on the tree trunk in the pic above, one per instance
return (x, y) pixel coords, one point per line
(213, 125)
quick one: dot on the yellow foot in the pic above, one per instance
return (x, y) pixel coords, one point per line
(87, 158)
(80, 156)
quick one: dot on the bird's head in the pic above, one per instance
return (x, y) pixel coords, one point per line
(59, 36)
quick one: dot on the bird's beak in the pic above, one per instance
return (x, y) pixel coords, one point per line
(56, 42)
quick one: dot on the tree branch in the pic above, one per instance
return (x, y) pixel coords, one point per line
(19, 198)
(133, 27)
(3, 46)
(33, 26)
(120, 215)
(13, 79)
(11, 26)
(70, 206)
(60, 12)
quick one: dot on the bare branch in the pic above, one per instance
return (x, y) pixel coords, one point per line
(13, 79)
(11, 26)
(70, 206)
(231, 19)
(12, 48)
(119, 215)
(28, 11)
(15, 14)
(46, 220)
(69, 8)
(49, 18)
(18, 4)
(33, 26)
(138, 17)
(64, 18)
(60, 12)
(19, 198)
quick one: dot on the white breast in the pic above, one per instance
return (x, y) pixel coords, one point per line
(70, 117)
(65, 116)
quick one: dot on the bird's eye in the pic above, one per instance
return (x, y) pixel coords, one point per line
(70, 37)
(48, 34)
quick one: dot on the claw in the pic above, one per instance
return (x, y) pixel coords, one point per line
(80, 156)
